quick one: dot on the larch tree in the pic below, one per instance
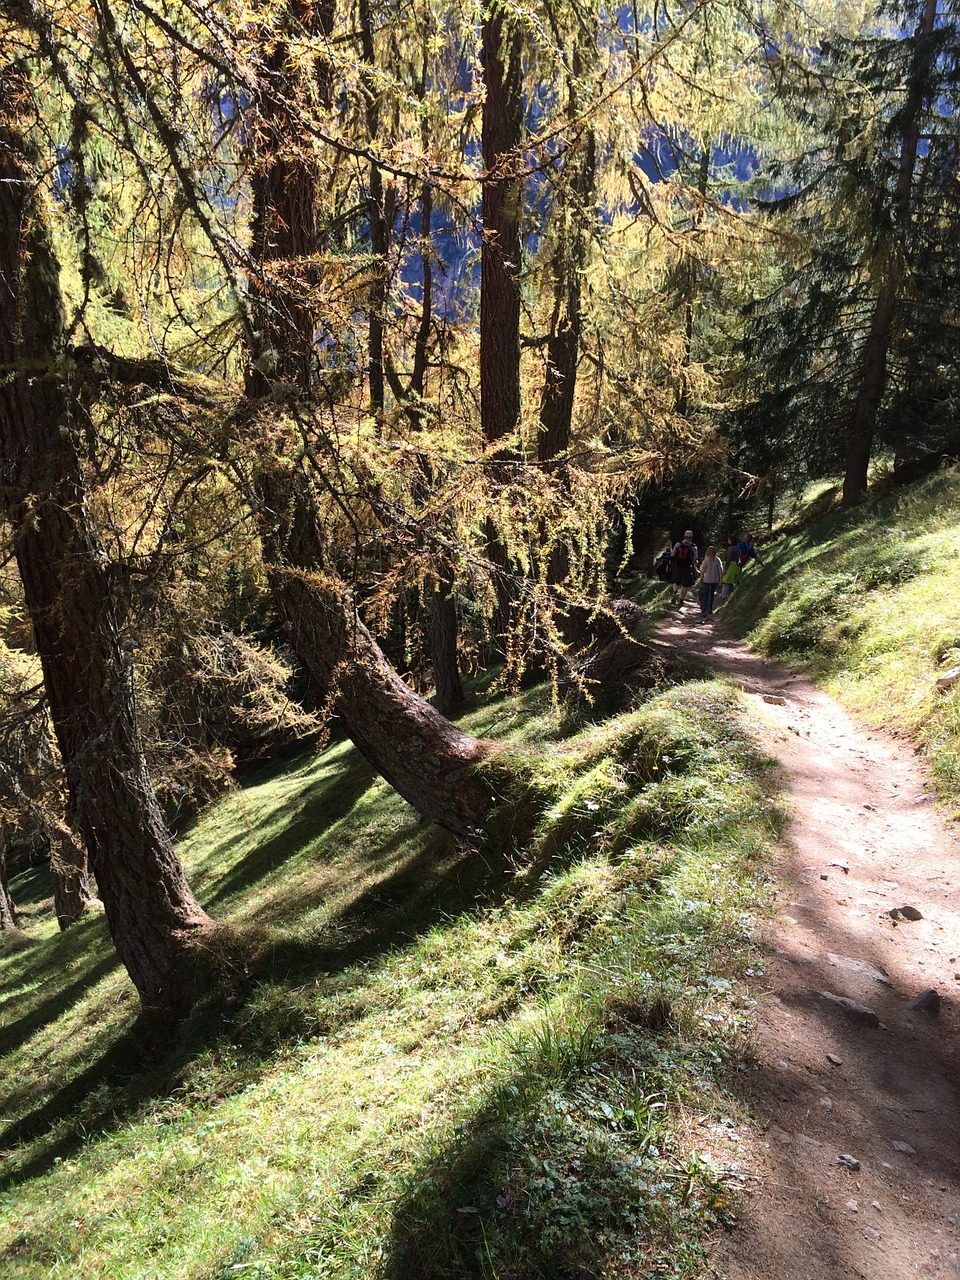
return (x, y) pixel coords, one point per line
(424, 756)
(74, 595)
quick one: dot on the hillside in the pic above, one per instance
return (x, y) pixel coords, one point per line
(441, 1063)
(538, 1060)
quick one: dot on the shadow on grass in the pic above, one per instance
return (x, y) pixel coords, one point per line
(439, 882)
(32, 887)
(15, 1034)
(548, 1180)
(323, 804)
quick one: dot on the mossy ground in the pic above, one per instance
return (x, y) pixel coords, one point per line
(426, 1061)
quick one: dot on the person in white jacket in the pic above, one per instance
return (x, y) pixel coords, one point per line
(711, 575)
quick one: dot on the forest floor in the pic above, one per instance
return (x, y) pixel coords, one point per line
(853, 1159)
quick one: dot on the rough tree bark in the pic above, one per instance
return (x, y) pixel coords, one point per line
(69, 867)
(424, 756)
(500, 255)
(8, 912)
(73, 597)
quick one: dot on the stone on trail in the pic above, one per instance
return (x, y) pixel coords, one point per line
(775, 699)
(905, 1147)
(926, 1002)
(858, 1012)
(850, 965)
(905, 912)
(832, 1057)
(849, 1162)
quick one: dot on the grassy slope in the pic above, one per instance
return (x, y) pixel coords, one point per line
(438, 1064)
(868, 601)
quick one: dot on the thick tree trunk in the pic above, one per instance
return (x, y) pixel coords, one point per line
(71, 592)
(72, 894)
(500, 254)
(418, 751)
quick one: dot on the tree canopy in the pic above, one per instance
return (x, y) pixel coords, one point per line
(338, 342)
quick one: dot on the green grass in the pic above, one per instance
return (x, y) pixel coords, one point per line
(867, 602)
(429, 1062)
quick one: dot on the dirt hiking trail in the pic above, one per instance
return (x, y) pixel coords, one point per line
(846, 1065)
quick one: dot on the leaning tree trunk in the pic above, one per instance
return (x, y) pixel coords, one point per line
(71, 593)
(426, 758)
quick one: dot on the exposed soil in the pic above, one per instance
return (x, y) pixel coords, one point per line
(865, 836)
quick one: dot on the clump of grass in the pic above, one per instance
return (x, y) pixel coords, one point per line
(426, 1067)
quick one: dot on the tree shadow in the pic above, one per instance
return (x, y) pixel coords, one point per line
(542, 1182)
(880, 1085)
(320, 807)
(150, 1060)
(14, 1034)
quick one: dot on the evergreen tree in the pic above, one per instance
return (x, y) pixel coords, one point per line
(863, 316)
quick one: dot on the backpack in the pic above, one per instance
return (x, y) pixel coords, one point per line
(683, 553)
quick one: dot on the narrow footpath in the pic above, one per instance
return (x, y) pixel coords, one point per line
(852, 1163)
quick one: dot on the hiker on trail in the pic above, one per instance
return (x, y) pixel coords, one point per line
(733, 551)
(685, 562)
(732, 574)
(746, 551)
(662, 566)
(711, 575)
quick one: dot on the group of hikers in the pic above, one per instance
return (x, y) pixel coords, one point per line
(681, 566)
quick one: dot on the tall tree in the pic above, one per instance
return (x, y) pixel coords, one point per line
(500, 267)
(868, 206)
(74, 595)
(871, 378)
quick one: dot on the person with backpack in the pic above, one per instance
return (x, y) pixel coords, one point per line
(685, 560)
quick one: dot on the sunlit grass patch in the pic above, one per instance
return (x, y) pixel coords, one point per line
(437, 1061)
